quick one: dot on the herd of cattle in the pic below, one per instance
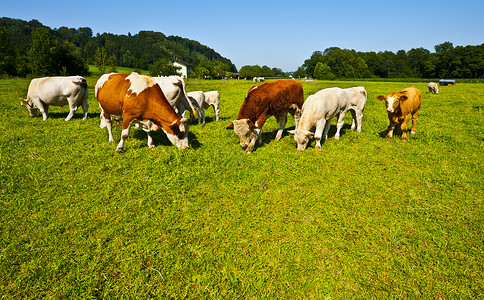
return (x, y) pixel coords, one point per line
(161, 103)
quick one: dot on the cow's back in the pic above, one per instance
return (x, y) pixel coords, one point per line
(110, 91)
(56, 90)
(413, 102)
(273, 97)
(325, 104)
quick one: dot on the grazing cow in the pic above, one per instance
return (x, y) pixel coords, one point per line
(433, 88)
(135, 97)
(197, 99)
(173, 87)
(356, 104)
(401, 106)
(275, 98)
(317, 112)
(212, 98)
(57, 91)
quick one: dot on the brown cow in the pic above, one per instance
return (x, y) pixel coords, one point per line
(401, 106)
(135, 97)
(275, 98)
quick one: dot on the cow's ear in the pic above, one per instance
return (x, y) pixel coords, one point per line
(22, 101)
(403, 98)
(230, 127)
(381, 97)
(251, 124)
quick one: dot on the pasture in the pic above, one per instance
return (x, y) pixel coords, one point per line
(363, 218)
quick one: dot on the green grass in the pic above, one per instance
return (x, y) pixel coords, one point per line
(363, 218)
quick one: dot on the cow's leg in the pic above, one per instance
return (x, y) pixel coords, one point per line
(320, 133)
(414, 121)
(85, 108)
(217, 111)
(254, 137)
(354, 122)
(282, 120)
(404, 126)
(391, 127)
(43, 107)
(72, 109)
(124, 133)
(340, 124)
(106, 122)
(151, 145)
(359, 118)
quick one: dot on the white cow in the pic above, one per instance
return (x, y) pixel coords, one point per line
(433, 88)
(57, 91)
(197, 99)
(317, 111)
(357, 101)
(173, 87)
(212, 98)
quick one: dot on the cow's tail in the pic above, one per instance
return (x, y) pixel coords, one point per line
(187, 100)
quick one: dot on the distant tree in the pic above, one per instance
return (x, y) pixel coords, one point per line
(200, 72)
(300, 72)
(42, 52)
(323, 71)
(164, 68)
(100, 59)
(8, 55)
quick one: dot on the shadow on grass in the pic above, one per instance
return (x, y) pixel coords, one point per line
(60, 115)
(160, 138)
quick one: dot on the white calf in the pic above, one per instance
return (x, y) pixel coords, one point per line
(356, 104)
(317, 111)
(212, 98)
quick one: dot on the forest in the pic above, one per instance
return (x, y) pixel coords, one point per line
(29, 48)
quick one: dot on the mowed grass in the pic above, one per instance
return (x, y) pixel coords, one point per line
(363, 218)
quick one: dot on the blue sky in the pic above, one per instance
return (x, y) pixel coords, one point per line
(279, 34)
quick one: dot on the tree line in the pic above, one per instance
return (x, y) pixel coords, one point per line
(447, 62)
(30, 48)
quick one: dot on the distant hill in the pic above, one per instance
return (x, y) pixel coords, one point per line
(135, 51)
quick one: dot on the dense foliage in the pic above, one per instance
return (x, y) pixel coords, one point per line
(447, 61)
(32, 48)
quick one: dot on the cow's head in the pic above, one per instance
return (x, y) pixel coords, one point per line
(392, 100)
(243, 128)
(179, 138)
(301, 137)
(30, 106)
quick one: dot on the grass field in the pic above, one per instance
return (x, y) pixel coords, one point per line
(363, 218)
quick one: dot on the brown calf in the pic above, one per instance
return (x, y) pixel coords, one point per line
(401, 106)
(274, 98)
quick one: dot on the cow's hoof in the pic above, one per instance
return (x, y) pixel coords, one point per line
(389, 138)
(119, 150)
(318, 148)
(412, 132)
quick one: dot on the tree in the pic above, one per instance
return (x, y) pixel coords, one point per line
(163, 68)
(323, 71)
(42, 52)
(8, 56)
(100, 58)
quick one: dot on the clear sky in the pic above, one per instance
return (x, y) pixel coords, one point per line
(276, 33)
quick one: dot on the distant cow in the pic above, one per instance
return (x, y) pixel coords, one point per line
(356, 105)
(317, 112)
(135, 97)
(197, 99)
(173, 87)
(212, 98)
(401, 106)
(258, 79)
(275, 98)
(57, 91)
(433, 88)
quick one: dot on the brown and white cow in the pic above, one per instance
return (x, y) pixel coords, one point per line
(135, 97)
(57, 91)
(274, 98)
(433, 88)
(401, 106)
